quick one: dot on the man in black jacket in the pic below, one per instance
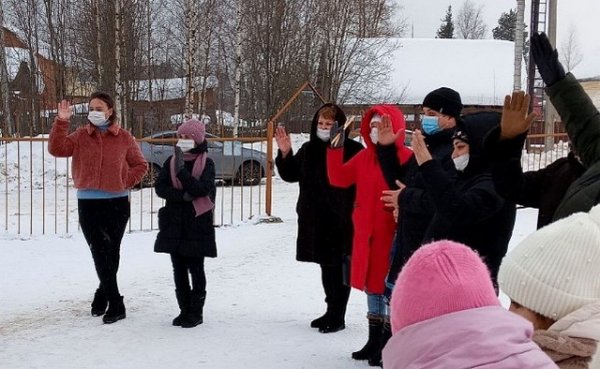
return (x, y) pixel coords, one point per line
(441, 109)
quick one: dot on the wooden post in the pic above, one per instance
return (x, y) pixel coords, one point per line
(269, 189)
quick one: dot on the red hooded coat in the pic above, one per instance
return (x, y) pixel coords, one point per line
(374, 224)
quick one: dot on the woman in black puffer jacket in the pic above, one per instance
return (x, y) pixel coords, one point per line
(187, 182)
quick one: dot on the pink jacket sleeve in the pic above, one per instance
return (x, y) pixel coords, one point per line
(137, 164)
(60, 144)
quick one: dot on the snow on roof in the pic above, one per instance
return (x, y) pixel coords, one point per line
(168, 89)
(480, 70)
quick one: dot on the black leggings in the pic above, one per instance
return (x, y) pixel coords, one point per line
(103, 224)
(182, 265)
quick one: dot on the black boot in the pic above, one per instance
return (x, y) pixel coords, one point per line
(319, 322)
(116, 310)
(183, 300)
(193, 317)
(99, 303)
(374, 341)
(335, 320)
(337, 299)
(332, 325)
(386, 333)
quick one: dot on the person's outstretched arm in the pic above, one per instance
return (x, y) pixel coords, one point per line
(340, 174)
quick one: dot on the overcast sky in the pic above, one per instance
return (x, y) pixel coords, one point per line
(425, 18)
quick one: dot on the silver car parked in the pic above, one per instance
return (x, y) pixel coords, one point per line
(233, 162)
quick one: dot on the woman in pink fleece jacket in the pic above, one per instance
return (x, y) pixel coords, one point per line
(106, 163)
(445, 314)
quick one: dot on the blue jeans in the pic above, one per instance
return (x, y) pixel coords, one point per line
(377, 305)
(389, 287)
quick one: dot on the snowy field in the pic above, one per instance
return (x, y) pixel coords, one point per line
(259, 303)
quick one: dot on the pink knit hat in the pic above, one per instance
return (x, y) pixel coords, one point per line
(194, 129)
(440, 278)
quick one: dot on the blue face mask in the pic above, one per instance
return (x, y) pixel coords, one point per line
(430, 125)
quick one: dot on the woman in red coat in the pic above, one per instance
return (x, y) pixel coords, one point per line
(374, 225)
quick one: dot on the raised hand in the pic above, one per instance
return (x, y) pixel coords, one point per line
(283, 141)
(419, 147)
(337, 136)
(390, 197)
(546, 59)
(385, 131)
(515, 120)
(65, 110)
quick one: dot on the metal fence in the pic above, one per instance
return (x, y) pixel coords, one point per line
(37, 194)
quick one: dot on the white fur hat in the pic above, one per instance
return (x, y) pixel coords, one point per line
(556, 270)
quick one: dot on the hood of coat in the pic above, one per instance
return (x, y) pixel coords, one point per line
(490, 337)
(477, 126)
(582, 323)
(398, 123)
(340, 117)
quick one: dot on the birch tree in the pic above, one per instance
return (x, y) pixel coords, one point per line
(519, 43)
(191, 24)
(238, 67)
(25, 15)
(570, 51)
(98, 29)
(55, 23)
(118, 81)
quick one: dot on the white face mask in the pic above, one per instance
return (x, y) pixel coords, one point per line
(461, 162)
(374, 135)
(185, 144)
(97, 118)
(323, 134)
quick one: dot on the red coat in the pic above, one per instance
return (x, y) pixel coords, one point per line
(374, 224)
(110, 162)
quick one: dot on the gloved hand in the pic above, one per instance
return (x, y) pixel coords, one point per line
(337, 136)
(178, 157)
(187, 197)
(546, 59)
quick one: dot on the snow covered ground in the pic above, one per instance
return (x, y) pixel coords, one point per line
(259, 304)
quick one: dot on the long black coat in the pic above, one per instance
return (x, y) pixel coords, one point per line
(324, 211)
(464, 206)
(468, 208)
(180, 231)
(415, 204)
(542, 189)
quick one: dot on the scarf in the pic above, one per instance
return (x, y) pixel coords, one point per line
(201, 204)
(567, 352)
